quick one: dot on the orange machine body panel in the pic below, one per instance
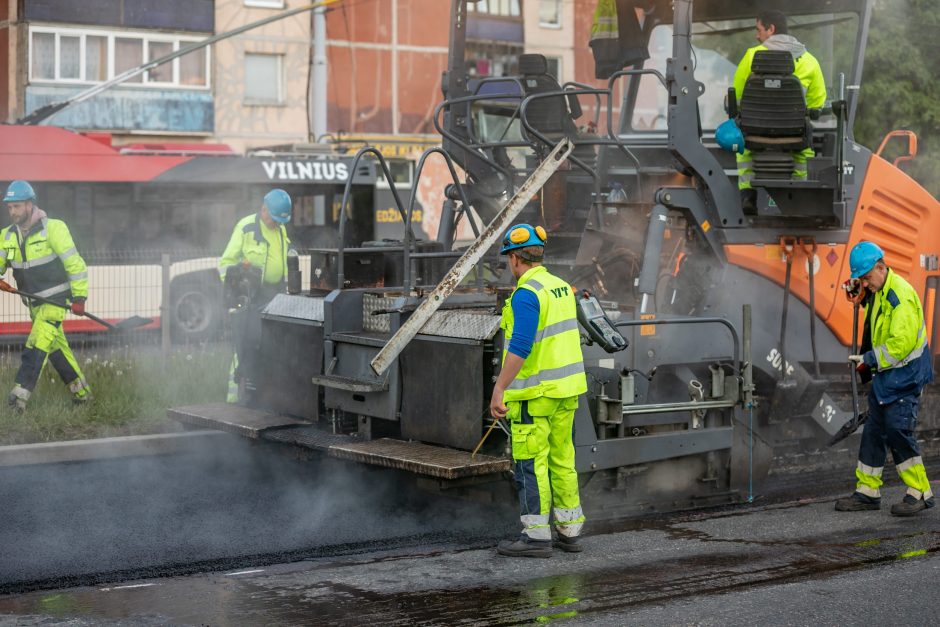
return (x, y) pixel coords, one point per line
(893, 211)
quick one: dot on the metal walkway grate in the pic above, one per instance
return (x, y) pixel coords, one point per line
(422, 459)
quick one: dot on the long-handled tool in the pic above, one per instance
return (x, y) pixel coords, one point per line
(124, 325)
(858, 418)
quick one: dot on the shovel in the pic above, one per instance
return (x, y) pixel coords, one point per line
(124, 325)
(858, 417)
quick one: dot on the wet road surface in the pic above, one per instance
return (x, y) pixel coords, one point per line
(781, 563)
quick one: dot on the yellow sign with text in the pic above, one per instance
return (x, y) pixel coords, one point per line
(648, 329)
(393, 215)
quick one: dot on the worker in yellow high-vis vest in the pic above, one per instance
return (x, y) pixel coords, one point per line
(45, 263)
(772, 34)
(259, 243)
(538, 387)
(896, 355)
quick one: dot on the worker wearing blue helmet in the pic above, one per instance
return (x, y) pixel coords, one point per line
(896, 358)
(537, 390)
(45, 264)
(254, 269)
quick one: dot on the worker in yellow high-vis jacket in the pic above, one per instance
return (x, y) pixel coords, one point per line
(259, 244)
(538, 387)
(46, 263)
(897, 357)
(772, 34)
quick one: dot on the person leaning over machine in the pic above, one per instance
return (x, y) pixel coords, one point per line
(541, 378)
(45, 263)
(896, 356)
(254, 269)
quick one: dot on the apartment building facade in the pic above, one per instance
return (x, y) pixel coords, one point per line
(384, 62)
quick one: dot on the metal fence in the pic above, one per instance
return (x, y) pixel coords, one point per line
(155, 297)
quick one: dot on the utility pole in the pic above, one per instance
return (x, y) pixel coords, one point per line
(318, 78)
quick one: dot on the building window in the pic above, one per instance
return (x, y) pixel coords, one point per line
(163, 73)
(550, 13)
(77, 56)
(507, 8)
(265, 4)
(263, 82)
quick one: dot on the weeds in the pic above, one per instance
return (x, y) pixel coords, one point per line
(133, 387)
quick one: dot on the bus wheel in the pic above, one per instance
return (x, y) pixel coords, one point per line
(195, 312)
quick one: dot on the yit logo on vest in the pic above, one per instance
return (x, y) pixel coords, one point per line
(558, 292)
(305, 170)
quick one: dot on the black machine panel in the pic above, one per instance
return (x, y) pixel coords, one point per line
(285, 372)
(453, 414)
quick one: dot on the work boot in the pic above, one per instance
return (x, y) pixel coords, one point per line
(84, 399)
(568, 544)
(857, 503)
(18, 398)
(525, 547)
(910, 506)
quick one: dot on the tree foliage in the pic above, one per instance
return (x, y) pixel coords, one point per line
(899, 84)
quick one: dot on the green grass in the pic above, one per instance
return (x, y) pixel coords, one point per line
(133, 387)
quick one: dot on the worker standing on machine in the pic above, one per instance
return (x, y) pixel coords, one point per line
(46, 263)
(254, 269)
(896, 355)
(541, 378)
(772, 35)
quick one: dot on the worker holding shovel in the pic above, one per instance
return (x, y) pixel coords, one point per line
(47, 267)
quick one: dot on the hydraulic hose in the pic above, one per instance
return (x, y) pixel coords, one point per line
(788, 251)
(810, 248)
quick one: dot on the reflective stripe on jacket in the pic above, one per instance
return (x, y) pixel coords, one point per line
(604, 25)
(555, 367)
(46, 263)
(900, 354)
(251, 241)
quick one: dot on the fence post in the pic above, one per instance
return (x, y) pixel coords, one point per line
(165, 314)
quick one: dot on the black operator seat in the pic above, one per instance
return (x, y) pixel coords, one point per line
(553, 116)
(773, 115)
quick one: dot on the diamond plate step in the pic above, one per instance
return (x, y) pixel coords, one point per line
(422, 459)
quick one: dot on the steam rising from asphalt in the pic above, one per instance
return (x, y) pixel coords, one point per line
(229, 500)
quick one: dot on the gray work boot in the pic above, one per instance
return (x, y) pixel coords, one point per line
(568, 544)
(525, 547)
(910, 506)
(18, 398)
(857, 503)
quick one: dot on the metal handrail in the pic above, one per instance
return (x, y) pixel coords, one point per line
(340, 269)
(469, 148)
(406, 271)
(712, 320)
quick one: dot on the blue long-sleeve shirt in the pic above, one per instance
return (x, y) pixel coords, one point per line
(525, 314)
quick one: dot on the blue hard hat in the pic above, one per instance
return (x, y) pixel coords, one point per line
(19, 191)
(278, 203)
(523, 235)
(730, 137)
(863, 258)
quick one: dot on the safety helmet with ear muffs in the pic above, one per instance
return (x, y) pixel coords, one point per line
(521, 236)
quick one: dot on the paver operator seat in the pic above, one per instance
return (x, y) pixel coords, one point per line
(773, 115)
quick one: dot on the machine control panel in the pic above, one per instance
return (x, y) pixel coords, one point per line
(598, 326)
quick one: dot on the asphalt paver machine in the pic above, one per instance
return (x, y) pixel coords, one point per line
(715, 334)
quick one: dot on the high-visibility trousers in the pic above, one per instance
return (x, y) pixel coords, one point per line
(47, 341)
(543, 456)
(891, 427)
(746, 166)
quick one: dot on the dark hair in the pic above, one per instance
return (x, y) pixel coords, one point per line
(530, 254)
(773, 18)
